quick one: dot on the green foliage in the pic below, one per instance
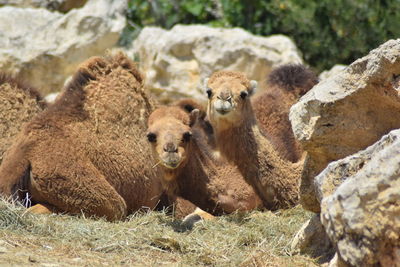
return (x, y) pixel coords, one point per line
(326, 31)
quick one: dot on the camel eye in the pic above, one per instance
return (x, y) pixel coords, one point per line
(209, 92)
(152, 137)
(186, 136)
(244, 94)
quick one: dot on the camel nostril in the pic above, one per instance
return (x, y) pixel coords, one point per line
(170, 147)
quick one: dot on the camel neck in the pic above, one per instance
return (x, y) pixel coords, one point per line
(251, 151)
(191, 182)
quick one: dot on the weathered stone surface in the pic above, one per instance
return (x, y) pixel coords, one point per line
(53, 5)
(177, 61)
(45, 47)
(332, 72)
(362, 216)
(313, 240)
(347, 112)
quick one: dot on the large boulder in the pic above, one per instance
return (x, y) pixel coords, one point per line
(177, 61)
(53, 5)
(347, 112)
(312, 240)
(45, 47)
(331, 72)
(362, 216)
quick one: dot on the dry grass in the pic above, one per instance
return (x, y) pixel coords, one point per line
(147, 239)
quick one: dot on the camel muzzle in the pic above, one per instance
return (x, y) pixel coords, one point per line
(171, 160)
(223, 106)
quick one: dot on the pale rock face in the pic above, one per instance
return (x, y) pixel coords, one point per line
(312, 240)
(53, 5)
(362, 216)
(45, 47)
(177, 61)
(333, 71)
(347, 112)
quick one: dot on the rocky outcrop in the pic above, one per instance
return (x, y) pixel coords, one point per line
(177, 61)
(45, 47)
(333, 71)
(361, 216)
(347, 112)
(53, 5)
(312, 240)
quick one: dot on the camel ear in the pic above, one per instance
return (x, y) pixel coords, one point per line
(253, 86)
(194, 115)
(208, 89)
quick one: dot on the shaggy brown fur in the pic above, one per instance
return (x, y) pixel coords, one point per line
(190, 169)
(203, 123)
(18, 104)
(286, 85)
(86, 153)
(241, 142)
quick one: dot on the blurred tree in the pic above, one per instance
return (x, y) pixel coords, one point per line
(327, 32)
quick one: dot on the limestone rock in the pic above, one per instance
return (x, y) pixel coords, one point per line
(339, 171)
(332, 72)
(53, 5)
(347, 112)
(45, 47)
(177, 61)
(362, 216)
(312, 240)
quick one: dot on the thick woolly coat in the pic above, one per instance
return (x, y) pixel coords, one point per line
(19, 103)
(87, 152)
(204, 179)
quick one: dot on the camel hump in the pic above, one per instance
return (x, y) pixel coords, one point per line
(189, 104)
(96, 67)
(29, 91)
(295, 78)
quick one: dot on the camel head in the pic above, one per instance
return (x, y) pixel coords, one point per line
(169, 133)
(228, 96)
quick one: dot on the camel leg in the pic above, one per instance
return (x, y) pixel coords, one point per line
(203, 214)
(196, 216)
(75, 187)
(40, 209)
(183, 208)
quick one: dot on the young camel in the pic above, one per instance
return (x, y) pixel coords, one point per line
(19, 103)
(190, 168)
(286, 84)
(240, 141)
(86, 152)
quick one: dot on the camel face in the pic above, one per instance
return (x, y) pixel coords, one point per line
(228, 97)
(169, 137)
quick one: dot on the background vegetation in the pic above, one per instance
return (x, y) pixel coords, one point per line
(327, 32)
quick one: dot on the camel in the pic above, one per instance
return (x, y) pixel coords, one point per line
(286, 85)
(240, 140)
(86, 152)
(189, 167)
(19, 103)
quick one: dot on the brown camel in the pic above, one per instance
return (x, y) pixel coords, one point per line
(286, 85)
(19, 103)
(190, 168)
(241, 142)
(86, 152)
